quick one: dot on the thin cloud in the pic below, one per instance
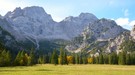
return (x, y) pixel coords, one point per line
(126, 12)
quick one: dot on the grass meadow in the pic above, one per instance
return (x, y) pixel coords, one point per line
(49, 69)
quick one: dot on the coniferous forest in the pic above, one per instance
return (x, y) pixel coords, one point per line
(62, 57)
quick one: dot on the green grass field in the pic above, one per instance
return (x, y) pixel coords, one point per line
(69, 70)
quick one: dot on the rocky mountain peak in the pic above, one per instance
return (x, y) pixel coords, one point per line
(31, 21)
(107, 21)
(34, 12)
(70, 18)
(35, 25)
(103, 29)
(82, 17)
(87, 16)
(73, 26)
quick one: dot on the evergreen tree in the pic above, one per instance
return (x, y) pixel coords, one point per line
(5, 58)
(128, 59)
(8, 58)
(122, 58)
(132, 56)
(26, 60)
(2, 58)
(105, 56)
(84, 60)
(17, 59)
(21, 58)
(65, 58)
(54, 59)
(80, 58)
(61, 56)
(76, 59)
(93, 60)
(101, 61)
(32, 57)
(73, 58)
(41, 59)
(97, 60)
(113, 58)
(48, 58)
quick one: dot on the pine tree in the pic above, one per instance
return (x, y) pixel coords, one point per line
(31, 59)
(105, 56)
(8, 59)
(93, 60)
(113, 58)
(17, 59)
(26, 59)
(122, 58)
(73, 58)
(128, 59)
(84, 60)
(132, 56)
(2, 58)
(5, 58)
(76, 59)
(48, 58)
(61, 56)
(41, 59)
(101, 61)
(21, 58)
(97, 60)
(65, 58)
(80, 59)
(54, 59)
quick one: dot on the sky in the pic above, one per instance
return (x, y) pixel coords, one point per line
(122, 11)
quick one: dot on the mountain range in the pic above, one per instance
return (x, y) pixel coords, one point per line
(33, 27)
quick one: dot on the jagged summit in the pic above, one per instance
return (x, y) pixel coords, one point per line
(87, 16)
(82, 16)
(34, 21)
(34, 12)
(73, 26)
(35, 25)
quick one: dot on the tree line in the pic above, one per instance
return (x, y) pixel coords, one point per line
(61, 57)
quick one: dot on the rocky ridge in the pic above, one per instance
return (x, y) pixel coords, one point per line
(84, 32)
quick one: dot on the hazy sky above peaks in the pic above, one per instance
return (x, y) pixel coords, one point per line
(122, 11)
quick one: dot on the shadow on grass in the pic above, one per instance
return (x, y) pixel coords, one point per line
(44, 70)
(11, 70)
(23, 70)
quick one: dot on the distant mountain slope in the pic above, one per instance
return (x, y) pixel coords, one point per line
(34, 22)
(9, 38)
(33, 27)
(97, 35)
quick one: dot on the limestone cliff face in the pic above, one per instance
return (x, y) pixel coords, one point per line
(98, 34)
(114, 45)
(133, 32)
(83, 32)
